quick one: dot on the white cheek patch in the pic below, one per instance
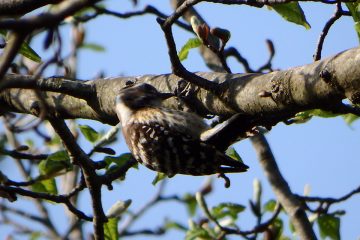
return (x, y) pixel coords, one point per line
(124, 113)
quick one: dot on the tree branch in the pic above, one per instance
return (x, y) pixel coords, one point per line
(322, 84)
(12, 47)
(337, 14)
(282, 190)
(38, 195)
(20, 7)
(78, 89)
(92, 180)
(303, 226)
(324, 203)
(45, 20)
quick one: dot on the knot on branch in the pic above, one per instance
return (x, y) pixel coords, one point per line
(329, 77)
(280, 89)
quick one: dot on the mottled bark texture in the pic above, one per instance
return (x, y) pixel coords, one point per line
(279, 94)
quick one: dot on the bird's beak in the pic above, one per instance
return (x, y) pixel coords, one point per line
(164, 96)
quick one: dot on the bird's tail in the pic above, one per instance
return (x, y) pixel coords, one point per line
(229, 165)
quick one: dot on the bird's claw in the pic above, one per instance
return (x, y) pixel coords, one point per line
(226, 179)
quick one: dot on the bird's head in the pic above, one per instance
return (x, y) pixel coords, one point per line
(141, 95)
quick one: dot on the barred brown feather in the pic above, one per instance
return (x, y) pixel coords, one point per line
(167, 140)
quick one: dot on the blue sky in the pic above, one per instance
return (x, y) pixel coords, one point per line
(322, 153)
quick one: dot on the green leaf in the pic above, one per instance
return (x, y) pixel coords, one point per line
(38, 187)
(305, 116)
(191, 203)
(302, 117)
(29, 142)
(329, 226)
(227, 209)
(93, 46)
(55, 141)
(59, 156)
(292, 12)
(354, 10)
(357, 29)
(54, 163)
(29, 53)
(159, 176)
(114, 163)
(35, 235)
(89, 133)
(323, 113)
(277, 228)
(231, 152)
(50, 185)
(269, 206)
(25, 49)
(111, 229)
(292, 227)
(282, 237)
(355, 13)
(45, 186)
(119, 161)
(191, 43)
(198, 233)
(350, 118)
(174, 225)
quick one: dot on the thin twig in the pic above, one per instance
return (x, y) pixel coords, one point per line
(21, 155)
(12, 47)
(177, 67)
(329, 23)
(331, 200)
(50, 197)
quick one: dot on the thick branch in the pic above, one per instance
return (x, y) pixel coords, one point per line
(322, 84)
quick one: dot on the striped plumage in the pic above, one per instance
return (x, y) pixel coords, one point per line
(166, 140)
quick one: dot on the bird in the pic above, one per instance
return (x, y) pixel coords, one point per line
(167, 140)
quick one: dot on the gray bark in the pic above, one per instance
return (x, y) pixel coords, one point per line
(322, 84)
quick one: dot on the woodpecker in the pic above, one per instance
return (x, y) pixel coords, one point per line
(167, 140)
